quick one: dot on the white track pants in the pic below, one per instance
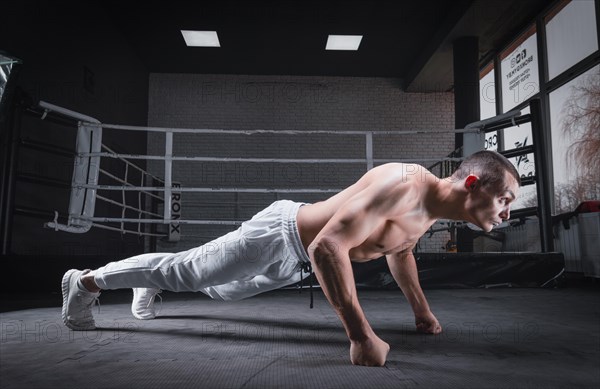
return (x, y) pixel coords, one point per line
(265, 253)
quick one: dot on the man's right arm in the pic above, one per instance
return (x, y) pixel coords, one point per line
(334, 272)
(351, 225)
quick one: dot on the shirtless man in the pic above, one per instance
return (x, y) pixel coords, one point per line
(383, 214)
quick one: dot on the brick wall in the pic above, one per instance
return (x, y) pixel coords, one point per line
(285, 103)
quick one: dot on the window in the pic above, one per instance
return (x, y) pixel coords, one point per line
(574, 117)
(487, 103)
(515, 137)
(519, 69)
(570, 34)
(487, 92)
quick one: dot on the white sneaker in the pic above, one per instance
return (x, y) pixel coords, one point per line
(77, 302)
(142, 306)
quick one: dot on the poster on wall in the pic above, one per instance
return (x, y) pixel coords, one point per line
(520, 76)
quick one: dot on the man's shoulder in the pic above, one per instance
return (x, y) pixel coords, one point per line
(403, 172)
(394, 183)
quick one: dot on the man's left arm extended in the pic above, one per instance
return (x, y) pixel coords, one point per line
(404, 270)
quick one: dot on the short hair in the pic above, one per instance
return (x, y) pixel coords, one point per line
(489, 166)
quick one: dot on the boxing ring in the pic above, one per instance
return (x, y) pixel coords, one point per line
(86, 190)
(143, 201)
(138, 200)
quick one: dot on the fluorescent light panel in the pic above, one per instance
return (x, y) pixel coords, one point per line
(201, 38)
(343, 42)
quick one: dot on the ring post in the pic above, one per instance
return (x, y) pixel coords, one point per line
(168, 177)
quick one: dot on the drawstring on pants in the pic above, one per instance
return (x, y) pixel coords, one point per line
(306, 267)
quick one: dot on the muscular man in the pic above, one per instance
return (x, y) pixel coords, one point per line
(383, 214)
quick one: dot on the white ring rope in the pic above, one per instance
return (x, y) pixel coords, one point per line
(125, 206)
(124, 231)
(262, 160)
(215, 159)
(129, 184)
(158, 221)
(286, 132)
(202, 190)
(117, 155)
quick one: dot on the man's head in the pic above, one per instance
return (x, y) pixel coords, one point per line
(489, 167)
(491, 183)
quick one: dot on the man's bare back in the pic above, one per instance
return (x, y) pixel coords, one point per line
(400, 187)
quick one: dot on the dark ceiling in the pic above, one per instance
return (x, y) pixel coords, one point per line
(410, 40)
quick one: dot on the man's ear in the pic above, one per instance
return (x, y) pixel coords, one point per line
(471, 182)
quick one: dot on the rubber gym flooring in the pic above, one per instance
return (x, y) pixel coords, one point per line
(493, 338)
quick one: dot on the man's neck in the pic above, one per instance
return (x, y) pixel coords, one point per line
(446, 200)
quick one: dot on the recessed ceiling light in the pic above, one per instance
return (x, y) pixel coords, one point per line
(201, 38)
(343, 42)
